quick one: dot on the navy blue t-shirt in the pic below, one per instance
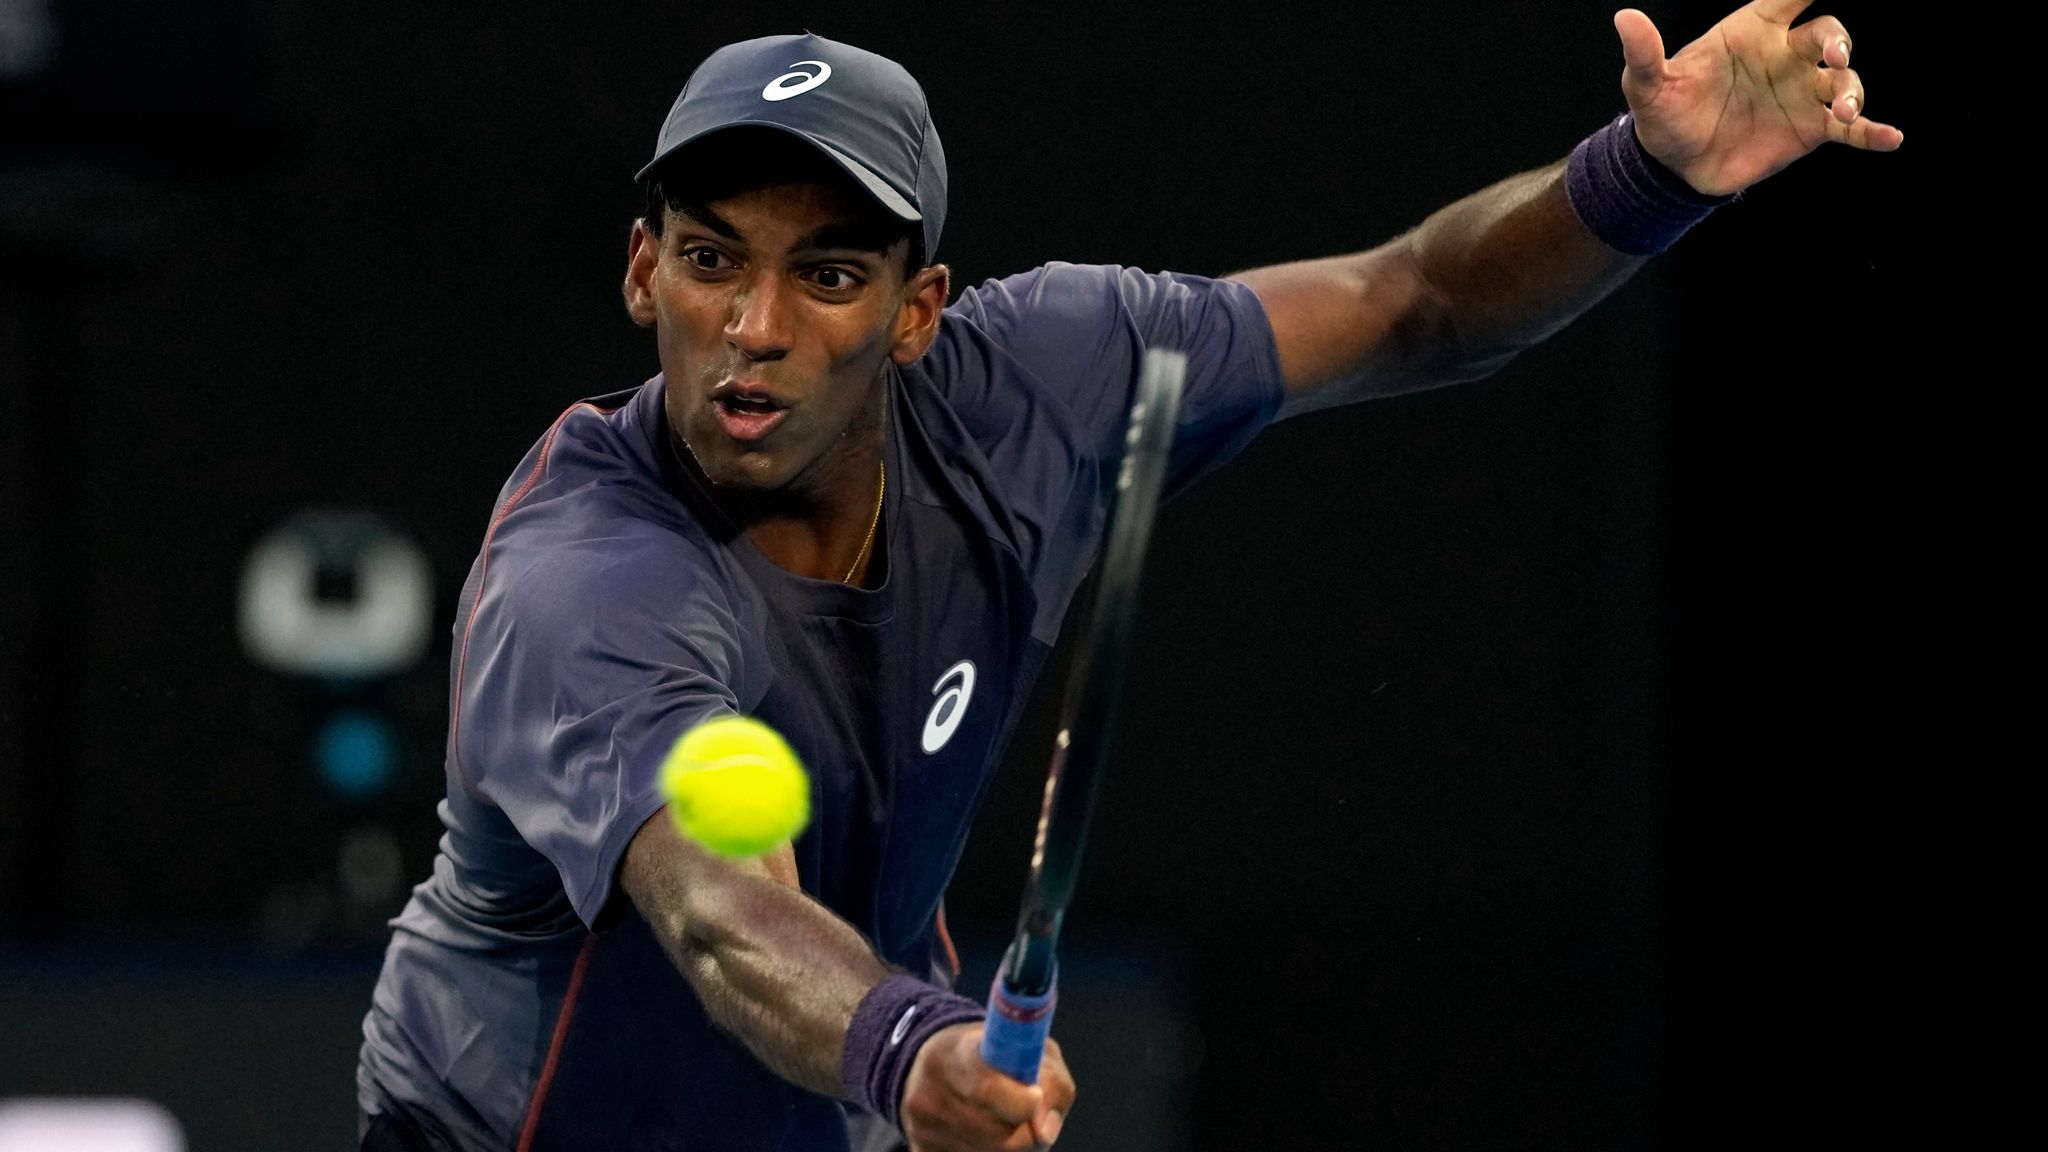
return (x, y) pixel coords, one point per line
(524, 1002)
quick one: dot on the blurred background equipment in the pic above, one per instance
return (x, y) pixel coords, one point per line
(341, 602)
(336, 595)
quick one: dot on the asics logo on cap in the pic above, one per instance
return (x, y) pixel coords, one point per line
(796, 83)
(953, 691)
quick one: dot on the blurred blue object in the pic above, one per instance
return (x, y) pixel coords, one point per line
(357, 755)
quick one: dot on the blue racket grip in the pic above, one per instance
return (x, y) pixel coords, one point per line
(1013, 1038)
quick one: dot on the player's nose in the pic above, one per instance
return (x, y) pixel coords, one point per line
(759, 324)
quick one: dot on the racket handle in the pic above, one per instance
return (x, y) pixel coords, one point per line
(1013, 1038)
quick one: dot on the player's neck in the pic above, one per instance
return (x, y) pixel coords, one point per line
(829, 539)
(825, 523)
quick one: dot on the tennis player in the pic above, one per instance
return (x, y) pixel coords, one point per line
(859, 513)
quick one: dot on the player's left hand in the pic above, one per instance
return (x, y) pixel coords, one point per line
(1747, 98)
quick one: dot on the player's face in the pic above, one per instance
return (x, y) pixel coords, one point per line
(774, 317)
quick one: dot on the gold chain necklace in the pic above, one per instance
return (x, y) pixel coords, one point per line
(874, 522)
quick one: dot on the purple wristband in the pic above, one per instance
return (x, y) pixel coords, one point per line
(1630, 200)
(892, 1023)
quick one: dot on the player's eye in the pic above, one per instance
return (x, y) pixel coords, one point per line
(705, 258)
(833, 279)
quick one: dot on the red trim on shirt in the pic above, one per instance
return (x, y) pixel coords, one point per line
(540, 467)
(946, 938)
(547, 1070)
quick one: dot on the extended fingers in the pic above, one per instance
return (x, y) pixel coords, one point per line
(1865, 133)
(1826, 42)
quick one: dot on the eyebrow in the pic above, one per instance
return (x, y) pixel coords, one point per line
(709, 219)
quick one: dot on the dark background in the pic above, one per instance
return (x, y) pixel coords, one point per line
(1517, 766)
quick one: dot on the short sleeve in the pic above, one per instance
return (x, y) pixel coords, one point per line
(582, 670)
(1078, 333)
(1040, 368)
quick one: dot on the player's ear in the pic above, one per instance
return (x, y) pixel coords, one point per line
(917, 322)
(643, 250)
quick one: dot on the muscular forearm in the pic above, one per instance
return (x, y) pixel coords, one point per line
(1452, 300)
(772, 966)
(1511, 265)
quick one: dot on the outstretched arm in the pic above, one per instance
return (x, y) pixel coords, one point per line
(1452, 300)
(1495, 272)
(789, 978)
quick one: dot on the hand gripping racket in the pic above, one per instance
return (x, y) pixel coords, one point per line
(1020, 1004)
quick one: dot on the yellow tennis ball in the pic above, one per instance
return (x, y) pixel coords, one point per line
(735, 786)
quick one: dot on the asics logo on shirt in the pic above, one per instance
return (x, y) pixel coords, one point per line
(796, 83)
(953, 690)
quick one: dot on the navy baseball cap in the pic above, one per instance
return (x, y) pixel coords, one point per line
(864, 111)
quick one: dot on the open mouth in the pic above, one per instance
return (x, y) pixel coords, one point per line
(749, 405)
(748, 417)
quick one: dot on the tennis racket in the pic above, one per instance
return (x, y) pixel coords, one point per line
(1020, 1005)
